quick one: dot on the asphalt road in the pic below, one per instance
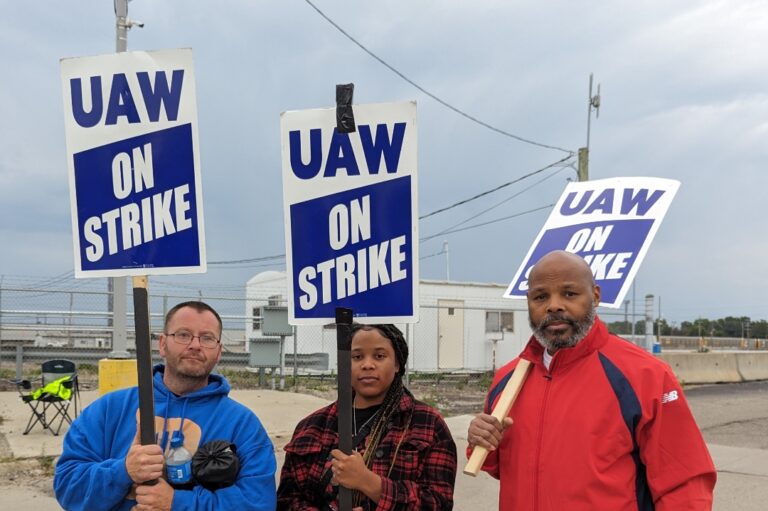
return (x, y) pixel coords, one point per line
(732, 414)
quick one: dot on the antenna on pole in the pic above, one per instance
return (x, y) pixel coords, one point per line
(593, 103)
(123, 23)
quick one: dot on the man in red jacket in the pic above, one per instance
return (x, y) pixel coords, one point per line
(599, 424)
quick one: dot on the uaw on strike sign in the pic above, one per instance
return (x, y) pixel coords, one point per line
(133, 161)
(351, 214)
(608, 222)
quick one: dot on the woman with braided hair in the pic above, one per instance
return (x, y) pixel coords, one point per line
(404, 458)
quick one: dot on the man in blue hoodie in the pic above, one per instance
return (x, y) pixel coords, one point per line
(103, 466)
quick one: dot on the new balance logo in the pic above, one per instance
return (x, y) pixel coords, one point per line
(668, 397)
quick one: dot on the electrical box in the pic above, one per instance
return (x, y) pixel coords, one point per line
(264, 352)
(275, 321)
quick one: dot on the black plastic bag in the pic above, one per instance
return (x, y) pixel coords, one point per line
(215, 465)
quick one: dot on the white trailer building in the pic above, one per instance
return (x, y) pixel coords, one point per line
(463, 326)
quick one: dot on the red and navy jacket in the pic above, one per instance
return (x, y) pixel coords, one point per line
(606, 427)
(422, 478)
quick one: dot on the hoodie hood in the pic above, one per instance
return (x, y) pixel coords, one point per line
(217, 386)
(170, 406)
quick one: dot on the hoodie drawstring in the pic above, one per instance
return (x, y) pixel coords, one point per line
(164, 439)
(179, 433)
(183, 417)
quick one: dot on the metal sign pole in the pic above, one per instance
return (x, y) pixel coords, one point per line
(344, 402)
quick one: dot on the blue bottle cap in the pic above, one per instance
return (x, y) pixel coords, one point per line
(177, 439)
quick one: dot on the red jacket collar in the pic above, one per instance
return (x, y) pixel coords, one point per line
(595, 339)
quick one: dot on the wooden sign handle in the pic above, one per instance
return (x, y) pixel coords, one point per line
(501, 410)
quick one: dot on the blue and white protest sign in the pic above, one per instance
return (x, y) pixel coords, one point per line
(134, 164)
(610, 223)
(351, 214)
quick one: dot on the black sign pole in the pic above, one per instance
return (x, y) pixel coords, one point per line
(144, 360)
(344, 403)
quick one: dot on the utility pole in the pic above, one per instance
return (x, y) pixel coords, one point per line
(593, 102)
(117, 302)
(18, 376)
(648, 323)
(626, 314)
(658, 324)
(633, 313)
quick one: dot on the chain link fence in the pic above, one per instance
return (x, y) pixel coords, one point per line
(456, 343)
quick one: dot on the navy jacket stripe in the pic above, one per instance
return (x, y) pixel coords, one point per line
(496, 390)
(631, 413)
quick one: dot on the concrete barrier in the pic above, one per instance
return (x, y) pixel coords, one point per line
(704, 367)
(752, 366)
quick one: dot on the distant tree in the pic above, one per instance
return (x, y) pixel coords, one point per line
(661, 327)
(729, 326)
(697, 328)
(620, 327)
(759, 329)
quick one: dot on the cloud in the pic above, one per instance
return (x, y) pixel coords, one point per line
(683, 97)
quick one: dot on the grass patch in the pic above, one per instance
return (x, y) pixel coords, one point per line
(7, 373)
(241, 379)
(87, 368)
(47, 465)
(431, 400)
(485, 380)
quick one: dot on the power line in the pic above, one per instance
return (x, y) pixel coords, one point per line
(486, 210)
(474, 226)
(432, 255)
(252, 260)
(483, 194)
(67, 275)
(246, 266)
(425, 91)
(195, 287)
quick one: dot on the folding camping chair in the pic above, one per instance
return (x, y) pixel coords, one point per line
(58, 393)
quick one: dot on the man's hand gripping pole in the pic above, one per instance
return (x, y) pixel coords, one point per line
(501, 410)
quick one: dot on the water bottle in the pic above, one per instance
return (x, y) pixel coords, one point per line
(178, 462)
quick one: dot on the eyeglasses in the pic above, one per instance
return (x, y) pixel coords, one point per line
(185, 338)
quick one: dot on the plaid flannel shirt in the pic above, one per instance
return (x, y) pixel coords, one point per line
(422, 478)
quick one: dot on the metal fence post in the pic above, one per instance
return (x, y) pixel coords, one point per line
(295, 360)
(19, 359)
(408, 342)
(1, 307)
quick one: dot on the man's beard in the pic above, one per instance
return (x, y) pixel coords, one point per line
(580, 330)
(196, 373)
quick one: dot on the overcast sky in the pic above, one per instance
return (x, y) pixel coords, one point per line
(684, 96)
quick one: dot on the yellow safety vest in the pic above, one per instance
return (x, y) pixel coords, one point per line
(55, 388)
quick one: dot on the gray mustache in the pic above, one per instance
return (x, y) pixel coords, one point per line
(552, 318)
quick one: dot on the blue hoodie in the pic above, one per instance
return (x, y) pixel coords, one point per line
(91, 473)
